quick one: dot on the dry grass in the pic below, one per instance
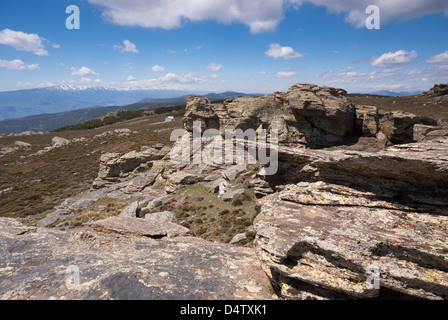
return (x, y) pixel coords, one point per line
(41, 182)
(210, 217)
(436, 108)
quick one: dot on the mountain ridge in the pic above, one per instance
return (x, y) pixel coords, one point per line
(52, 121)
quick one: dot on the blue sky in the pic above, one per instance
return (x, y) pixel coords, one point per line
(240, 45)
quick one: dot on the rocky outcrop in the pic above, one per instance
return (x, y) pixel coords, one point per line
(398, 126)
(140, 227)
(340, 224)
(115, 165)
(306, 115)
(437, 91)
(423, 132)
(43, 264)
(342, 214)
(366, 123)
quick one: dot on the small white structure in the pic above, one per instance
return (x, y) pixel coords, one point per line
(169, 119)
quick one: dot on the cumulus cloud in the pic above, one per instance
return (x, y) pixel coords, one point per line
(402, 10)
(21, 41)
(175, 81)
(158, 68)
(127, 46)
(393, 59)
(350, 75)
(356, 81)
(434, 74)
(285, 74)
(259, 15)
(17, 64)
(441, 58)
(214, 67)
(130, 78)
(83, 72)
(276, 51)
(45, 85)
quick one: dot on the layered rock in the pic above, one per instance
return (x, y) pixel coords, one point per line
(437, 91)
(398, 126)
(306, 115)
(115, 165)
(42, 264)
(339, 215)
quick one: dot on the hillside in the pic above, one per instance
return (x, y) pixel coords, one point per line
(355, 191)
(52, 121)
(24, 103)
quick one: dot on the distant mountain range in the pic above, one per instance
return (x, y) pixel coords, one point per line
(51, 100)
(392, 93)
(22, 103)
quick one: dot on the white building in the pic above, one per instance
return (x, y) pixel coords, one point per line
(169, 119)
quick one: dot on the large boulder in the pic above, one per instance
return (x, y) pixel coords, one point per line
(437, 91)
(306, 115)
(398, 126)
(115, 165)
(366, 123)
(140, 227)
(325, 108)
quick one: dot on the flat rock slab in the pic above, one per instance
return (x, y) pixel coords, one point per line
(140, 227)
(325, 251)
(41, 263)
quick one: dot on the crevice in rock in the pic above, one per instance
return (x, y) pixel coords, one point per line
(416, 256)
(302, 290)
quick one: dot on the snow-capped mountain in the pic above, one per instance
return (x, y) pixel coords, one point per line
(22, 103)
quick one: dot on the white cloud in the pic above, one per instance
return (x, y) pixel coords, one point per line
(353, 80)
(434, 74)
(175, 81)
(350, 75)
(333, 51)
(158, 68)
(285, 74)
(401, 10)
(23, 41)
(56, 46)
(128, 46)
(441, 58)
(200, 46)
(130, 78)
(214, 67)
(263, 73)
(129, 65)
(85, 81)
(259, 15)
(25, 84)
(278, 52)
(17, 64)
(393, 59)
(45, 85)
(83, 71)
